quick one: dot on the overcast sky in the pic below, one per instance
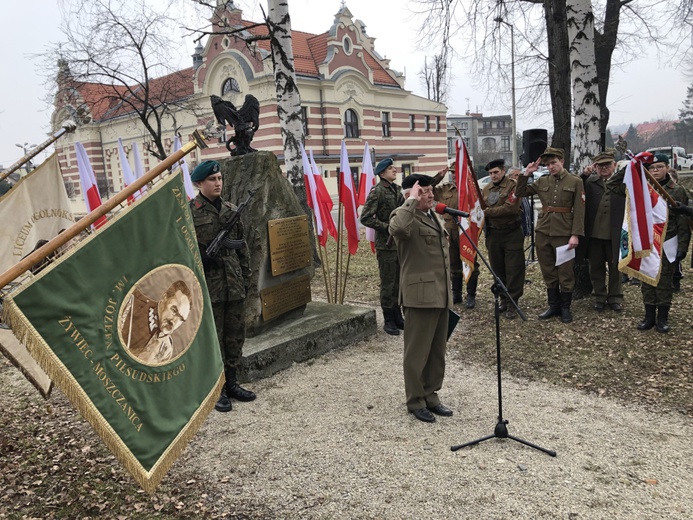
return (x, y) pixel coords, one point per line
(636, 94)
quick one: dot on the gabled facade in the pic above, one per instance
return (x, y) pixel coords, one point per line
(347, 91)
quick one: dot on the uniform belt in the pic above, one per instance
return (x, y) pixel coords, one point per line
(555, 209)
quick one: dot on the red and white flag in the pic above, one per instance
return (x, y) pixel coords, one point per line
(187, 182)
(87, 180)
(312, 197)
(468, 201)
(644, 224)
(366, 184)
(324, 198)
(139, 169)
(128, 176)
(347, 196)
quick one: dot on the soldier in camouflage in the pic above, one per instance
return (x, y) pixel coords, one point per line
(383, 199)
(227, 275)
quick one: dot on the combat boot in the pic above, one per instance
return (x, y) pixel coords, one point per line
(390, 326)
(398, 318)
(650, 318)
(224, 403)
(470, 302)
(554, 298)
(663, 318)
(566, 299)
(235, 390)
(457, 288)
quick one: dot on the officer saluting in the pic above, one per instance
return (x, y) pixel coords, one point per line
(560, 223)
(504, 239)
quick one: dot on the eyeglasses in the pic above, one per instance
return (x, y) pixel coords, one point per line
(657, 168)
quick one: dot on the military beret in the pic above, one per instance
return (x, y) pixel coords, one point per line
(661, 157)
(383, 165)
(204, 170)
(496, 163)
(604, 157)
(557, 152)
(410, 180)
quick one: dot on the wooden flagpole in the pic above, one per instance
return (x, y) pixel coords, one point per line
(26, 263)
(324, 258)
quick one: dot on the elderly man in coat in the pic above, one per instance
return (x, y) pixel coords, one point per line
(422, 247)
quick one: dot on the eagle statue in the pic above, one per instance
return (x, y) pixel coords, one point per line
(245, 122)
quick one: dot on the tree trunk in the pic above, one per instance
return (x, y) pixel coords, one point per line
(559, 72)
(604, 45)
(585, 82)
(288, 98)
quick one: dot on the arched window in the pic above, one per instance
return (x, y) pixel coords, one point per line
(230, 85)
(488, 144)
(351, 124)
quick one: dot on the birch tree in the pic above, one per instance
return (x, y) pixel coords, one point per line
(585, 82)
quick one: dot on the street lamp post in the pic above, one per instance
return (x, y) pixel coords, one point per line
(512, 82)
(27, 148)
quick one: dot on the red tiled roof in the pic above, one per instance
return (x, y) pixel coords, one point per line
(310, 50)
(110, 101)
(647, 130)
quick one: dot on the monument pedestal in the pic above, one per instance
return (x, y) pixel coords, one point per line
(321, 328)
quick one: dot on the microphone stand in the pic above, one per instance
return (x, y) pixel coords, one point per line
(498, 288)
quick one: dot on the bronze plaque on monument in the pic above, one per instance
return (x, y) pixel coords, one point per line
(284, 297)
(289, 244)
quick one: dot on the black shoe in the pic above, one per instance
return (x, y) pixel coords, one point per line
(650, 318)
(398, 318)
(634, 281)
(224, 403)
(599, 306)
(616, 307)
(390, 326)
(470, 303)
(241, 394)
(663, 319)
(422, 414)
(503, 306)
(441, 409)
(456, 298)
(511, 314)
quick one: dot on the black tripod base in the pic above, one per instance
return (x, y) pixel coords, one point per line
(501, 432)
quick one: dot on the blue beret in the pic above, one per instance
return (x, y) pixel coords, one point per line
(204, 170)
(383, 165)
(661, 157)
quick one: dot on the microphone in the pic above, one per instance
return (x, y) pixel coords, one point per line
(442, 208)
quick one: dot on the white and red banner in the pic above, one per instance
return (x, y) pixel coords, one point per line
(325, 200)
(87, 180)
(324, 223)
(644, 225)
(128, 176)
(366, 184)
(468, 201)
(187, 182)
(347, 196)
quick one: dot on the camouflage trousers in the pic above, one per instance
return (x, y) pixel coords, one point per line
(388, 266)
(663, 293)
(229, 319)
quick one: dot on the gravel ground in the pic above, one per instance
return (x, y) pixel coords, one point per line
(331, 438)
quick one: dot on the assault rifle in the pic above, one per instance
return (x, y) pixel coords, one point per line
(222, 239)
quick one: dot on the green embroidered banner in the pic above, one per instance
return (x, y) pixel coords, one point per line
(124, 326)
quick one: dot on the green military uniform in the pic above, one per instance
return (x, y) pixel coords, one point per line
(504, 239)
(677, 226)
(227, 275)
(604, 210)
(562, 215)
(446, 193)
(383, 199)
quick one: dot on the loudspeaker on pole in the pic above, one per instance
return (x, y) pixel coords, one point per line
(534, 142)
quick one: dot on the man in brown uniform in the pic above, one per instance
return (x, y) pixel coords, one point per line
(504, 239)
(560, 223)
(445, 192)
(425, 294)
(604, 209)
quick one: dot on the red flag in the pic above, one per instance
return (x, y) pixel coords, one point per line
(347, 196)
(468, 201)
(324, 224)
(324, 198)
(87, 179)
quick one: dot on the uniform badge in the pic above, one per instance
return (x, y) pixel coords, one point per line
(493, 198)
(512, 199)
